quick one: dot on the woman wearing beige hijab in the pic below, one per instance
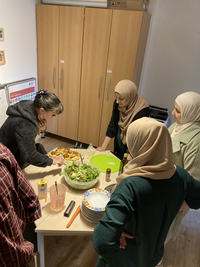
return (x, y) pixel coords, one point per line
(185, 134)
(127, 107)
(143, 205)
(151, 150)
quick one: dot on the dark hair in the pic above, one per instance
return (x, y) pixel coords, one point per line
(48, 101)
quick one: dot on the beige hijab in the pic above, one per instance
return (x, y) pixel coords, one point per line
(150, 145)
(189, 104)
(128, 90)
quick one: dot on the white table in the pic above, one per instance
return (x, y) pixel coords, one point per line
(54, 223)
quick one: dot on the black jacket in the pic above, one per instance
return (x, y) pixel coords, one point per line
(113, 125)
(19, 131)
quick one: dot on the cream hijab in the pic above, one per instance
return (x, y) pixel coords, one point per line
(189, 104)
(150, 145)
(128, 90)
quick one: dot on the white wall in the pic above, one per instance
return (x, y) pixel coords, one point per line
(172, 60)
(17, 17)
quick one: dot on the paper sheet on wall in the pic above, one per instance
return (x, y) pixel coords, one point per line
(3, 106)
(21, 90)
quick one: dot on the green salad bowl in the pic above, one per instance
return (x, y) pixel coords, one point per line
(77, 177)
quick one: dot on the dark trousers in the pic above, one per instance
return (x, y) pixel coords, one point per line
(30, 235)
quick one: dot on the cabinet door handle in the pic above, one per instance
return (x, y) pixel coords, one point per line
(99, 87)
(108, 89)
(54, 77)
(61, 79)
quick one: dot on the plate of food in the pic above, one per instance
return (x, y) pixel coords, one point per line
(68, 154)
(81, 175)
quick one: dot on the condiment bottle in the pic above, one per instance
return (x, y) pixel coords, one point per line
(124, 161)
(108, 172)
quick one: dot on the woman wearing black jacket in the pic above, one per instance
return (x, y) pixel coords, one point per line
(27, 119)
(127, 107)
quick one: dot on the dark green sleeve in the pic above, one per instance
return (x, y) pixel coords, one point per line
(193, 195)
(191, 188)
(108, 232)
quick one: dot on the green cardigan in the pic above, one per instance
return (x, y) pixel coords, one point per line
(144, 208)
(186, 149)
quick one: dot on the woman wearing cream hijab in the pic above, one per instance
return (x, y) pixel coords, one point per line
(143, 205)
(185, 134)
(128, 107)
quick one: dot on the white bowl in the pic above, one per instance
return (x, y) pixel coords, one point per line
(82, 185)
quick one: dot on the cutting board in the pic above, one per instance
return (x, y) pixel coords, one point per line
(106, 161)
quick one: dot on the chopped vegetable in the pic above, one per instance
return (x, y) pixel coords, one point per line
(74, 216)
(81, 172)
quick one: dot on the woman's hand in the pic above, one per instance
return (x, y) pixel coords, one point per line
(122, 239)
(129, 157)
(104, 145)
(184, 206)
(100, 148)
(58, 160)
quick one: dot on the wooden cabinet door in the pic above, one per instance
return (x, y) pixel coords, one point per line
(47, 51)
(60, 34)
(95, 51)
(125, 34)
(70, 51)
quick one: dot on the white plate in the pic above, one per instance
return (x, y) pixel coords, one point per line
(90, 219)
(96, 199)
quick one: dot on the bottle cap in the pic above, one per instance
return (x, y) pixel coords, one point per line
(108, 170)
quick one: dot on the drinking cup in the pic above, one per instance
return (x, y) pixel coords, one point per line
(57, 196)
